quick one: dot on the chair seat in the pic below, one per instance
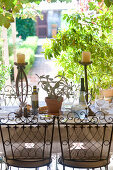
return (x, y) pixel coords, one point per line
(84, 164)
(28, 163)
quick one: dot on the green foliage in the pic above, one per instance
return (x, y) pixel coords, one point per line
(4, 72)
(85, 33)
(7, 10)
(62, 1)
(29, 10)
(107, 2)
(10, 8)
(25, 27)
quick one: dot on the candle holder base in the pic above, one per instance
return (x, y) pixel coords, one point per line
(90, 113)
(85, 63)
(20, 64)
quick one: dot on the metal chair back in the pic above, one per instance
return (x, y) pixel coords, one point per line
(27, 144)
(85, 141)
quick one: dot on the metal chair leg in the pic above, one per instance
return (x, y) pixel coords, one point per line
(7, 167)
(106, 167)
(1, 165)
(48, 167)
(63, 167)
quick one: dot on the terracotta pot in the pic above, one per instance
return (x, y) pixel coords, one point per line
(54, 105)
(108, 94)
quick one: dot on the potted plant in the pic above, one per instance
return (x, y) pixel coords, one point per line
(56, 88)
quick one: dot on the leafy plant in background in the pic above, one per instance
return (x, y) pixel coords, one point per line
(25, 27)
(8, 10)
(4, 72)
(26, 20)
(107, 2)
(92, 32)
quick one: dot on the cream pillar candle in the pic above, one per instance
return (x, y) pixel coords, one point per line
(86, 56)
(20, 58)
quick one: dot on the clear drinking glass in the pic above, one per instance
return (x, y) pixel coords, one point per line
(100, 101)
(79, 103)
(67, 103)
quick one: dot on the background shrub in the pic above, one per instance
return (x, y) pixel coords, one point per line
(25, 27)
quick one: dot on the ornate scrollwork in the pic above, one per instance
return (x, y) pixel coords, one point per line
(14, 118)
(82, 117)
(10, 96)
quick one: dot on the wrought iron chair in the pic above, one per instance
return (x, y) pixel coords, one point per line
(85, 143)
(27, 143)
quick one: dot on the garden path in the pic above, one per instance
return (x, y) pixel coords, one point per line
(41, 66)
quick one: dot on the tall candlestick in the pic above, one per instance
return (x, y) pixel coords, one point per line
(21, 87)
(20, 58)
(86, 57)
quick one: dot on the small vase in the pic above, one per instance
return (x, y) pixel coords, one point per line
(54, 105)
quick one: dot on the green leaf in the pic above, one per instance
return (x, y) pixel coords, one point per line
(108, 3)
(7, 25)
(1, 10)
(8, 4)
(99, 0)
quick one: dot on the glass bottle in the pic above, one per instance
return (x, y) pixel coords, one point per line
(82, 93)
(79, 103)
(34, 99)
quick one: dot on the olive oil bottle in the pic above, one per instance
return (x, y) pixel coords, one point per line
(34, 98)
